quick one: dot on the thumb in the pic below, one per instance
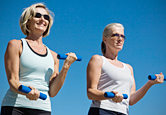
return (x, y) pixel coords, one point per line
(115, 92)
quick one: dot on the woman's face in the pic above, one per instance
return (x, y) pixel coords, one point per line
(116, 39)
(37, 24)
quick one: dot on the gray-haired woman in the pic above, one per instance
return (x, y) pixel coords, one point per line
(107, 74)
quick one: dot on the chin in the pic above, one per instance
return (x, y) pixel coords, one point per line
(120, 48)
(41, 29)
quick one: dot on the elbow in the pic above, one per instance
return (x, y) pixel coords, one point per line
(89, 95)
(131, 102)
(52, 95)
(53, 92)
(14, 84)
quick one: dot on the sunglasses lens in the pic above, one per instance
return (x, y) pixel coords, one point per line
(38, 15)
(46, 17)
(118, 35)
(113, 35)
(123, 36)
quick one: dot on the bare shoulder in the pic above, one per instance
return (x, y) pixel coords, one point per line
(96, 59)
(14, 45)
(14, 49)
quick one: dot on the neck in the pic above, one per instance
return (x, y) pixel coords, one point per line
(111, 55)
(35, 38)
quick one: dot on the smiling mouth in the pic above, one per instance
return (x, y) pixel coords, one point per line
(41, 24)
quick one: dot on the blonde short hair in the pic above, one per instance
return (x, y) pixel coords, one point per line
(107, 31)
(28, 13)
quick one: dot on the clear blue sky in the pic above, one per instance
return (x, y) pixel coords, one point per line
(78, 27)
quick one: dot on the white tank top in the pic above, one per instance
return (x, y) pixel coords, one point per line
(35, 70)
(114, 78)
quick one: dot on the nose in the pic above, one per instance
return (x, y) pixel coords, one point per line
(120, 37)
(42, 17)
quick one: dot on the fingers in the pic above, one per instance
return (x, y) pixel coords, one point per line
(33, 94)
(161, 73)
(72, 55)
(159, 78)
(118, 97)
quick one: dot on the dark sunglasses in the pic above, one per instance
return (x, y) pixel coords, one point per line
(46, 17)
(118, 35)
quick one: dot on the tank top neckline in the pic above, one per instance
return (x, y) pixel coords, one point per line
(114, 65)
(42, 55)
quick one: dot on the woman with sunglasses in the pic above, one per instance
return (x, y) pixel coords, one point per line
(107, 74)
(31, 63)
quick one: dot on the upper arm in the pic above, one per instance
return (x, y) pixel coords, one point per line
(11, 59)
(56, 65)
(133, 89)
(94, 71)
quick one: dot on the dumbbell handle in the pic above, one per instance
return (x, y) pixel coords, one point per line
(153, 77)
(112, 95)
(26, 90)
(63, 56)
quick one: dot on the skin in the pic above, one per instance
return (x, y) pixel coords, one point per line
(37, 27)
(113, 46)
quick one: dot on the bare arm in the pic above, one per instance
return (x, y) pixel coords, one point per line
(93, 76)
(139, 94)
(11, 59)
(58, 78)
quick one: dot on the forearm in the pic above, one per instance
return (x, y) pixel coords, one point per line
(58, 81)
(139, 94)
(58, 78)
(14, 85)
(94, 94)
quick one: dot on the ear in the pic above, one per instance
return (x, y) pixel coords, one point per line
(104, 40)
(27, 23)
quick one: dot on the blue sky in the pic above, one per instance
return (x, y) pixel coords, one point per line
(78, 27)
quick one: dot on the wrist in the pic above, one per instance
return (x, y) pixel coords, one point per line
(66, 66)
(150, 83)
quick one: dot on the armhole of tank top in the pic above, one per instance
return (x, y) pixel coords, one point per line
(22, 46)
(103, 60)
(126, 66)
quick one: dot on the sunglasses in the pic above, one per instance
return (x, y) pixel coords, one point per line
(46, 17)
(118, 35)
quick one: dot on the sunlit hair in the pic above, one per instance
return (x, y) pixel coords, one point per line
(107, 32)
(29, 12)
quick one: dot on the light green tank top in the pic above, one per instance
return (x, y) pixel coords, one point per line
(35, 70)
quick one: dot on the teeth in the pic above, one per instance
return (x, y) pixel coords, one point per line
(41, 24)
